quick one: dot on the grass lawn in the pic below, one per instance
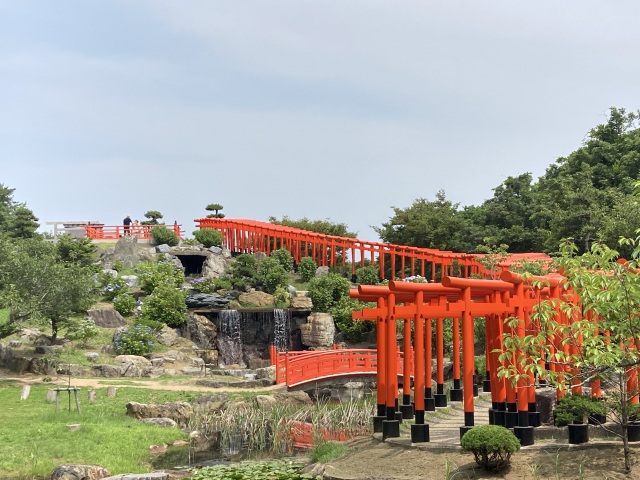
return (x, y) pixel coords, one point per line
(34, 439)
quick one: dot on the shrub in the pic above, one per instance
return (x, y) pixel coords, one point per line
(111, 287)
(307, 268)
(353, 330)
(272, 275)
(282, 296)
(167, 305)
(210, 285)
(491, 445)
(76, 250)
(570, 409)
(284, 258)
(245, 266)
(163, 235)
(208, 237)
(152, 274)
(367, 276)
(327, 290)
(135, 340)
(83, 331)
(124, 304)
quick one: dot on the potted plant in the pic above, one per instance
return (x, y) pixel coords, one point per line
(571, 411)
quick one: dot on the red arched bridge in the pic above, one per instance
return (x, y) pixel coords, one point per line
(298, 369)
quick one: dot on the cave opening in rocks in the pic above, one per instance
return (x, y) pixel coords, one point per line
(192, 263)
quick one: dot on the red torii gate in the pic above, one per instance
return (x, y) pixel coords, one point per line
(463, 300)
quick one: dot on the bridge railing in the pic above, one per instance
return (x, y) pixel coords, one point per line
(296, 368)
(114, 232)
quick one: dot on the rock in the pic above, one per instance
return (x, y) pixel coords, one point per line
(157, 362)
(348, 392)
(15, 343)
(126, 251)
(158, 449)
(292, 398)
(135, 359)
(79, 472)
(214, 266)
(321, 271)
(44, 350)
(130, 280)
(33, 335)
(301, 303)
(545, 403)
(73, 427)
(161, 421)
(110, 271)
(259, 299)
(265, 401)
(43, 366)
(267, 372)
(202, 300)
(212, 383)
(180, 412)
(73, 370)
(200, 330)
(196, 361)
(141, 476)
(319, 331)
(106, 371)
(255, 363)
(92, 356)
(173, 356)
(164, 248)
(167, 336)
(210, 403)
(106, 318)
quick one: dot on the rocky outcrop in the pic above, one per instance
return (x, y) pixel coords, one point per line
(301, 303)
(126, 251)
(210, 403)
(203, 300)
(200, 330)
(214, 266)
(180, 412)
(106, 318)
(319, 331)
(167, 336)
(79, 472)
(259, 299)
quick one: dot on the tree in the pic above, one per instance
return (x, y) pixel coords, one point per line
(214, 207)
(153, 216)
(76, 250)
(436, 224)
(326, 227)
(37, 285)
(599, 342)
(16, 220)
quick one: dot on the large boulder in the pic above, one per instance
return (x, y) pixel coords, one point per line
(79, 472)
(200, 330)
(106, 318)
(214, 266)
(202, 300)
(126, 251)
(259, 299)
(319, 331)
(167, 336)
(301, 303)
(180, 412)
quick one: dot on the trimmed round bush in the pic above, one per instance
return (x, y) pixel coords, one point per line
(307, 268)
(367, 276)
(135, 340)
(164, 235)
(491, 445)
(124, 304)
(284, 258)
(208, 237)
(166, 305)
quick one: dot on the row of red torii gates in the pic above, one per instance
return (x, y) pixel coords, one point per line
(420, 305)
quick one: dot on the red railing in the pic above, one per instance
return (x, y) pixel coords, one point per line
(298, 368)
(114, 232)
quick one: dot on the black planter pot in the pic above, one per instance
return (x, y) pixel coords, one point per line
(578, 433)
(597, 419)
(633, 432)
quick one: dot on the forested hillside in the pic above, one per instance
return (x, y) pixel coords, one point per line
(587, 195)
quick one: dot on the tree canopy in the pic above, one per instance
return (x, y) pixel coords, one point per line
(586, 196)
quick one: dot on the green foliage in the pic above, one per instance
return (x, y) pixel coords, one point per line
(281, 296)
(353, 330)
(76, 250)
(152, 274)
(167, 305)
(272, 275)
(135, 340)
(245, 266)
(491, 445)
(214, 207)
(307, 268)
(367, 276)
(111, 286)
(36, 285)
(326, 227)
(208, 237)
(325, 452)
(152, 217)
(571, 408)
(210, 285)
(124, 304)
(272, 470)
(327, 290)
(24, 223)
(83, 331)
(284, 258)
(164, 236)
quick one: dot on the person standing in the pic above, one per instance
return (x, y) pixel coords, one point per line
(127, 224)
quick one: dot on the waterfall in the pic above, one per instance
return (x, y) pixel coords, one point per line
(230, 339)
(282, 328)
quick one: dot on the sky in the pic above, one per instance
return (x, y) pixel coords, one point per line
(333, 109)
